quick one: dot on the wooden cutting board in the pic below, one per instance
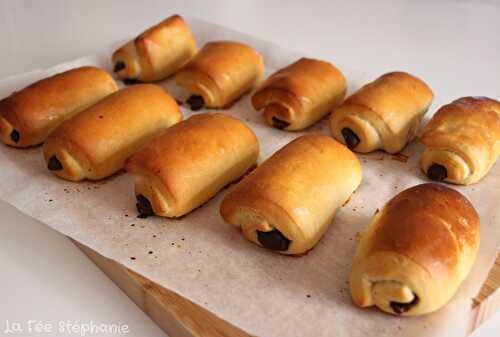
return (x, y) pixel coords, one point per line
(179, 317)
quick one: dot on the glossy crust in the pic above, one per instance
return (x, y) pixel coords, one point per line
(296, 191)
(417, 249)
(221, 72)
(301, 93)
(95, 143)
(192, 161)
(463, 137)
(384, 114)
(39, 108)
(156, 53)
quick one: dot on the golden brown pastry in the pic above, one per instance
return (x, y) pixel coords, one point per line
(300, 94)
(384, 114)
(187, 165)
(462, 141)
(220, 73)
(28, 116)
(95, 143)
(289, 201)
(416, 251)
(156, 53)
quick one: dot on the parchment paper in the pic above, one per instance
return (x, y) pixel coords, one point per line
(209, 262)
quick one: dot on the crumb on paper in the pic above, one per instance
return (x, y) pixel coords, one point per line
(400, 157)
(358, 236)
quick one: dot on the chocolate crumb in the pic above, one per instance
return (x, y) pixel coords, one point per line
(150, 252)
(308, 295)
(132, 258)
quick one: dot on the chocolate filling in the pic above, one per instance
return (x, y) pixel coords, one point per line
(280, 124)
(273, 240)
(437, 172)
(195, 102)
(351, 139)
(400, 308)
(144, 207)
(15, 136)
(54, 164)
(130, 81)
(119, 66)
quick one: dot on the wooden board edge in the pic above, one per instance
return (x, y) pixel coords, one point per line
(174, 314)
(487, 301)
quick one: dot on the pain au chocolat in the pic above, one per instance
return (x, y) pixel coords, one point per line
(95, 143)
(220, 74)
(462, 141)
(156, 53)
(384, 114)
(300, 94)
(289, 201)
(192, 161)
(28, 116)
(416, 251)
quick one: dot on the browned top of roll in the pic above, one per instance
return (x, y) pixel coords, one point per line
(397, 92)
(304, 79)
(219, 60)
(181, 152)
(417, 223)
(474, 120)
(119, 122)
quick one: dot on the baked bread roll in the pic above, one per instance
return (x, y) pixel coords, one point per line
(416, 251)
(288, 202)
(462, 141)
(28, 116)
(220, 73)
(187, 165)
(384, 114)
(300, 94)
(156, 53)
(95, 143)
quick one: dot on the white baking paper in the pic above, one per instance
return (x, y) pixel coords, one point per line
(209, 262)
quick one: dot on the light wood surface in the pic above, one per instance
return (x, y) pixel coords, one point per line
(487, 302)
(179, 317)
(175, 315)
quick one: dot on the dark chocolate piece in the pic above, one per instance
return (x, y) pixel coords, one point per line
(54, 164)
(131, 81)
(280, 124)
(400, 308)
(144, 207)
(195, 102)
(273, 240)
(437, 172)
(15, 136)
(351, 139)
(119, 66)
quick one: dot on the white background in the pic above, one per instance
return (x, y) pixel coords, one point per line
(439, 40)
